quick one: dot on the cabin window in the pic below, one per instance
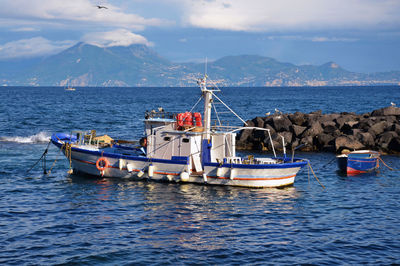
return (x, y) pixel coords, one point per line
(185, 140)
(167, 138)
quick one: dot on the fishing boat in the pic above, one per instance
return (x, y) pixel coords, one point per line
(70, 88)
(179, 147)
(358, 162)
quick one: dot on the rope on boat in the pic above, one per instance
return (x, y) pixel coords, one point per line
(43, 159)
(328, 163)
(54, 163)
(390, 168)
(312, 171)
(68, 154)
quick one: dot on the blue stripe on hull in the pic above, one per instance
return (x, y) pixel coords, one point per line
(177, 159)
(259, 166)
(362, 164)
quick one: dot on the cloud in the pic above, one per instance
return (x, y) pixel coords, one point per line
(25, 29)
(33, 47)
(61, 12)
(333, 39)
(312, 39)
(287, 15)
(120, 37)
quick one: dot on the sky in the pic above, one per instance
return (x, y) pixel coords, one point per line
(359, 35)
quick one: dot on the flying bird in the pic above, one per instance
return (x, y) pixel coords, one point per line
(100, 7)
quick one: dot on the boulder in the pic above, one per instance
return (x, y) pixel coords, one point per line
(281, 123)
(250, 123)
(366, 139)
(297, 118)
(330, 129)
(365, 124)
(308, 143)
(348, 126)
(390, 110)
(244, 135)
(311, 119)
(343, 119)
(396, 128)
(314, 130)
(378, 128)
(260, 134)
(386, 138)
(325, 132)
(347, 142)
(328, 118)
(298, 130)
(272, 130)
(277, 145)
(258, 121)
(325, 123)
(288, 136)
(394, 145)
(323, 141)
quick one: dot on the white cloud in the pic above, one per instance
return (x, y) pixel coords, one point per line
(33, 47)
(61, 12)
(286, 15)
(332, 39)
(120, 37)
(25, 29)
(312, 39)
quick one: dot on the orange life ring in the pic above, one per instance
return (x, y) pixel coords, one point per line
(104, 163)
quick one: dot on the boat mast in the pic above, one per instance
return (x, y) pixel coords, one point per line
(207, 95)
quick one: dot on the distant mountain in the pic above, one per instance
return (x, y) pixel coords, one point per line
(138, 65)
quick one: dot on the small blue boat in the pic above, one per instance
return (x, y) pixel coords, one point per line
(358, 162)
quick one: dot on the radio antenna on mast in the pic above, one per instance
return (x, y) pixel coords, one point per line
(205, 67)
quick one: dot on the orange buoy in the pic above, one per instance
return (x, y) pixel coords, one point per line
(102, 163)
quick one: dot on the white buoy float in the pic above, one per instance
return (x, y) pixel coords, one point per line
(150, 170)
(232, 174)
(140, 173)
(219, 171)
(184, 176)
(121, 164)
(129, 167)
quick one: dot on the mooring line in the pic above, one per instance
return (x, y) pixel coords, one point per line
(41, 157)
(312, 171)
(390, 168)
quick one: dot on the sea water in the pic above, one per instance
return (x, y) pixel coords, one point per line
(71, 219)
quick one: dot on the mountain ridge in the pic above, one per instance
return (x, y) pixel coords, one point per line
(138, 65)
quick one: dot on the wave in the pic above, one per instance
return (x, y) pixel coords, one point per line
(40, 137)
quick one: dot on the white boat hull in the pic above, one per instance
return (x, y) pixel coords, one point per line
(166, 170)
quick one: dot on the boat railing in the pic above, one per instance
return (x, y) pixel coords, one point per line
(160, 114)
(233, 159)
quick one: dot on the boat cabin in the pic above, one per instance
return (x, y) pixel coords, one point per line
(167, 138)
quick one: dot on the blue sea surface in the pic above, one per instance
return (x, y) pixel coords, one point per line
(71, 219)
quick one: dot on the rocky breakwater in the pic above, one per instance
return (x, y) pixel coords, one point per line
(378, 130)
